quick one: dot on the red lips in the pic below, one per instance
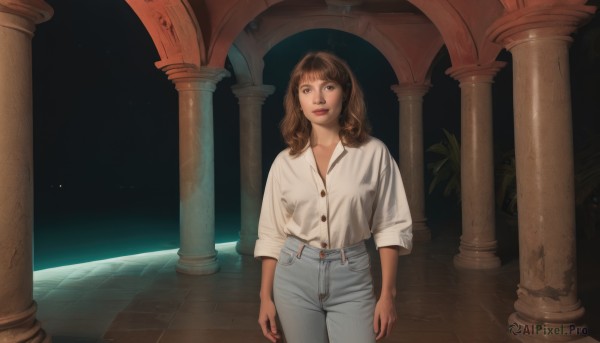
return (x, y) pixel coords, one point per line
(320, 111)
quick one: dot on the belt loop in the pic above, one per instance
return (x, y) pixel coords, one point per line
(343, 256)
(300, 248)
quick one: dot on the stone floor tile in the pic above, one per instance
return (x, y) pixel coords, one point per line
(93, 329)
(197, 307)
(153, 305)
(144, 336)
(103, 294)
(126, 321)
(213, 336)
(202, 321)
(83, 283)
(422, 337)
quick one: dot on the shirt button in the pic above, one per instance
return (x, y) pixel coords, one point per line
(323, 245)
(323, 218)
(323, 193)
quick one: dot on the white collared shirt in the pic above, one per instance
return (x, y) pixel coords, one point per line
(364, 196)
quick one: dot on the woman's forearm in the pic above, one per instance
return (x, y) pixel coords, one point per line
(389, 266)
(267, 276)
(266, 316)
(385, 310)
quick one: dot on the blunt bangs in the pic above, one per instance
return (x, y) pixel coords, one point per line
(321, 67)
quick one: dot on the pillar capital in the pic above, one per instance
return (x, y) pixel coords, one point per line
(24, 15)
(189, 77)
(36, 11)
(556, 21)
(404, 90)
(254, 93)
(476, 73)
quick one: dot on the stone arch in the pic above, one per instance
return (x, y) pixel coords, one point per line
(174, 30)
(246, 61)
(406, 66)
(194, 33)
(463, 26)
(233, 21)
(240, 66)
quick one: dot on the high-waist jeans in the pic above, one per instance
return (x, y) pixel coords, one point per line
(324, 295)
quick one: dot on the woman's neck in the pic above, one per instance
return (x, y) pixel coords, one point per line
(323, 136)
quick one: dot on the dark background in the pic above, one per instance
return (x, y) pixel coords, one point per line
(106, 130)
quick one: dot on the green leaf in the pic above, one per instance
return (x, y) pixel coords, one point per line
(446, 170)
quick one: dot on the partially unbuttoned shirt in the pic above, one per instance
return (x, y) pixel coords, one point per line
(364, 196)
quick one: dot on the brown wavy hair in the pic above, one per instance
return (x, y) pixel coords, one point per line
(296, 129)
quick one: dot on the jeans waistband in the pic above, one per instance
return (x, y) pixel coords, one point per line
(304, 250)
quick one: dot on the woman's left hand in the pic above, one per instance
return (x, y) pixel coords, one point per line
(385, 317)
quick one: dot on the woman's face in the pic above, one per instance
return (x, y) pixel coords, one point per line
(321, 102)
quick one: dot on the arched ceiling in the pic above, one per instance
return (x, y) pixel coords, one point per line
(397, 29)
(408, 40)
(200, 33)
(365, 6)
(387, 6)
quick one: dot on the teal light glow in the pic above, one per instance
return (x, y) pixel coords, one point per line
(147, 257)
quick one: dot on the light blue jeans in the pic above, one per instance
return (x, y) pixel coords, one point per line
(324, 295)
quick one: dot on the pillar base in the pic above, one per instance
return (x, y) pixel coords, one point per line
(245, 246)
(421, 233)
(197, 265)
(526, 330)
(23, 327)
(477, 256)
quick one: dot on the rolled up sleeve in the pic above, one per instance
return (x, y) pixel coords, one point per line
(391, 223)
(271, 236)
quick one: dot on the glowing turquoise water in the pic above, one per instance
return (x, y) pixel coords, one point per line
(71, 228)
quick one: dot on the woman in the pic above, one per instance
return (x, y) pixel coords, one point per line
(329, 191)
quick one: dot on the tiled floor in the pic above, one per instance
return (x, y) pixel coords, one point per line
(142, 299)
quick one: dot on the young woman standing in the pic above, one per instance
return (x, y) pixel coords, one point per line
(330, 190)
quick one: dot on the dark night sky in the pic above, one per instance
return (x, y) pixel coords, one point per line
(105, 119)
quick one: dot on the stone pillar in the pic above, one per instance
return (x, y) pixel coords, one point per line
(251, 99)
(17, 307)
(410, 99)
(478, 240)
(197, 254)
(539, 39)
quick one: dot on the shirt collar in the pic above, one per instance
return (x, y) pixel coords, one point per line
(309, 157)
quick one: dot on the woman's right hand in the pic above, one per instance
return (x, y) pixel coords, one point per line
(266, 320)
